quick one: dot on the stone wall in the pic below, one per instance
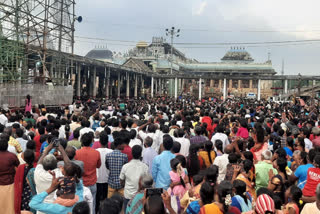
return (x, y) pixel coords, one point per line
(14, 95)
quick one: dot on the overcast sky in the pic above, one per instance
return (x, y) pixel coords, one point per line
(207, 21)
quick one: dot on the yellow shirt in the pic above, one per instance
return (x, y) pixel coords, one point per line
(205, 156)
(15, 143)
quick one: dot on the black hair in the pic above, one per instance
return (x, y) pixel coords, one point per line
(259, 132)
(124, 124)
(136, 152)
(4, 138)
(207, 193)
(197, 179)
(86, 139)
(133, 134)
(247, 165)
(248, 155)
(232, 158)
(111, 205)
(208, 147)
(31, 145)
(240, 188)
(277, 202)
(28, 157)
(182, 160)
(224, 189)
(264, 190)
(43, 138)
(212, 174)
(193, 164)
(19, 132)
(104, 138)
(174, 164)
(290, 143)
(76, 133)
(296, 194)
(154, 204)
(312, 153)
(281, 153)
(81, 208)
(304, 156)
(167, 142)
(219, 145)
(176, 147)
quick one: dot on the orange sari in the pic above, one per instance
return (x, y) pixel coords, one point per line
(210, 208)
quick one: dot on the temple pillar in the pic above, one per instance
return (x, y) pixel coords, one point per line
(78, 81)
(259, 89)
(176, 88)
(94, 81)
(119, 84)
(136, 86)
(230, 84)
(200, 88)
(211, 83)
(152, 86)
(285, 86)
(239, 84)
(224, 89)
(220, 84)
(142, 86)
(107, 80)
(156, 87)
(127, 85)
(250, 84)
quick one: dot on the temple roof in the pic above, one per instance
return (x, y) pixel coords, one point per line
(237, 54)
(102, 54)
(200, 67)
(142, 44)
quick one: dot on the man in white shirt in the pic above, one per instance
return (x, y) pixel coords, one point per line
(185, 142)
(42, 176)
(148, 153)
(86, 128)
(134, 140)
(151, 133)
(130, 174)
(102, 172)
(22, 142)
(220, 136)
(3, 118)
(222, 162)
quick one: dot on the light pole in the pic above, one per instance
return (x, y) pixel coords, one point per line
(172, 33)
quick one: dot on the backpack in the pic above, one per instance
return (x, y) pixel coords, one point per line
(95, 125)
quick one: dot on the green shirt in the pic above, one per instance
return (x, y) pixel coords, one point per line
(75, 143)
(122, 106)
(33, 122)
(262, 173)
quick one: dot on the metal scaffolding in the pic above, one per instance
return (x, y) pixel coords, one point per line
(28, 29)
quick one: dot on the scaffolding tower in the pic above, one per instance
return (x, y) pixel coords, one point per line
(28, 29)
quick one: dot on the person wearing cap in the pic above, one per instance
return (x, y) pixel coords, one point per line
(264, 204)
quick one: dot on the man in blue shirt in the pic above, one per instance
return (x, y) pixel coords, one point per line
(161, 164)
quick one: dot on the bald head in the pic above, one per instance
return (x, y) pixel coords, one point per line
(228, 149)
(71, 152)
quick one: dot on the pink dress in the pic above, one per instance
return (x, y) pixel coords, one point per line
(28, 106)
(178, 190)
(243, 132)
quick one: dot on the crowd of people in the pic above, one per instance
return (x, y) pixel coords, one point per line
(161, 155)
